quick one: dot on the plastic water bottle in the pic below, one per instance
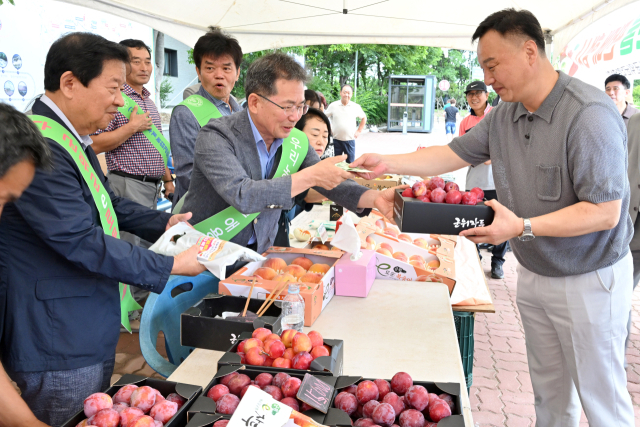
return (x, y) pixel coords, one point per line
(293, 309)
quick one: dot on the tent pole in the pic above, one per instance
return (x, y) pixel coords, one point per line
(355, 84)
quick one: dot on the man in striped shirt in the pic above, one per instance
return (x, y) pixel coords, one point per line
(136, 167)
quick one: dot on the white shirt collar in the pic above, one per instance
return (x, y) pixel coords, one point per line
(85, 140)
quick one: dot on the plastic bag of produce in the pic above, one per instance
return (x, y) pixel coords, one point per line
(214, 254)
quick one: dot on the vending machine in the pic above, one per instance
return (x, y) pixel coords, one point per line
(415, 97)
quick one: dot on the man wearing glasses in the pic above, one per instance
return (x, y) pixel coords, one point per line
(255, 162)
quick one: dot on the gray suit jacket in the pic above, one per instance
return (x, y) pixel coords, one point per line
(227, 172)
(633, 171)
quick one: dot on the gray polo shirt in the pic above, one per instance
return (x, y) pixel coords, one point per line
(572, 149)
(627, 113)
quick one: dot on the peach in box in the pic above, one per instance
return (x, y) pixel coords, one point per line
(389, 268)
(316, 295)
(354, 278)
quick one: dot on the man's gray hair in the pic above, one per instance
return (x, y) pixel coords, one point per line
(262, 74)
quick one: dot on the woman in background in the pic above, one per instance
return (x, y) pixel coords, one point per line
(316, 125)
(311, 98)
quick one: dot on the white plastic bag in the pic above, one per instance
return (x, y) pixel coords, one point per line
(214, 254)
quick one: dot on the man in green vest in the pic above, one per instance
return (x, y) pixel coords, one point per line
(218, 57)
(249, 166)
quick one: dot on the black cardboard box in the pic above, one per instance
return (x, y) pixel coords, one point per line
(340, 418)
(205, 405)
(188, 391)
(325, 365)
(414, 216)
(203, 420)
(199, 327)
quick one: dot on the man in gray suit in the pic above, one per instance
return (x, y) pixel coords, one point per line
(236, 157)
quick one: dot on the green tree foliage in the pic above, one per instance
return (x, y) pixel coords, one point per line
(636, 92)
(331, 66)
(165, 90)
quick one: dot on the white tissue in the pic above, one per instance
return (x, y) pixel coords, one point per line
(347, 238)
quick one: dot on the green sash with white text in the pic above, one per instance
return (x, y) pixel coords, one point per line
(202, 109)
(55, 131)
(226, 224)
(155, 137)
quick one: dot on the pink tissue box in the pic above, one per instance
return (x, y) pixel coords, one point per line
(354, 278)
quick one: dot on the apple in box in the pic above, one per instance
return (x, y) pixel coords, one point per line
(441, 199)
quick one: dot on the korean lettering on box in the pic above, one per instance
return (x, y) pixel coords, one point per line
(464, 223)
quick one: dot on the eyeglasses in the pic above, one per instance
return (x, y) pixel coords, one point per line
(299, 110)
(474, 94)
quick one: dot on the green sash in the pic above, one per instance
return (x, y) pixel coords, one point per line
(55, 131)
(154, 136)
(226, 224)
(203, 109)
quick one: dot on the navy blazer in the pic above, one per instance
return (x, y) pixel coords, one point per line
(59, 271)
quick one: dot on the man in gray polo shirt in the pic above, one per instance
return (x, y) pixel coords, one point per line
(559, 155)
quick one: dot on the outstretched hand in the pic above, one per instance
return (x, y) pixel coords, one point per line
(185, 217)
(373, 162)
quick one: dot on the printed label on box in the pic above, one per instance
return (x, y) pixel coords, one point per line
(388, 271)
(468, 223)
(316, 393)
(259, 409)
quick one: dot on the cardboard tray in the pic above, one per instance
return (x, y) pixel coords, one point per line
(325, 365)
(316, 295)
(341, 419)
(204, 405)
(414, 216)
(188, 391)
(380, 184)
(375, 222)
(199, 327)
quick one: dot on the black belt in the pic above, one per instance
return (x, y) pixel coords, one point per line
(143, 178)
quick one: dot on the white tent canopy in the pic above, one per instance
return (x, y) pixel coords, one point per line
(264, 24)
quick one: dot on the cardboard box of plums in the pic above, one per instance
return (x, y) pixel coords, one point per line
(134, 391)
(398, 401)
(435, 207)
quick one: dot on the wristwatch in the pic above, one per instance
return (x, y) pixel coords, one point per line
(527, 234)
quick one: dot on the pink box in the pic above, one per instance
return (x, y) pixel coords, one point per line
(354, 278)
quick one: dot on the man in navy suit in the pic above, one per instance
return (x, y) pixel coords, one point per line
(59, 270)
(22, 150)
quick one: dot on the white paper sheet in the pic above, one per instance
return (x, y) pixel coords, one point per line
(470, 286)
